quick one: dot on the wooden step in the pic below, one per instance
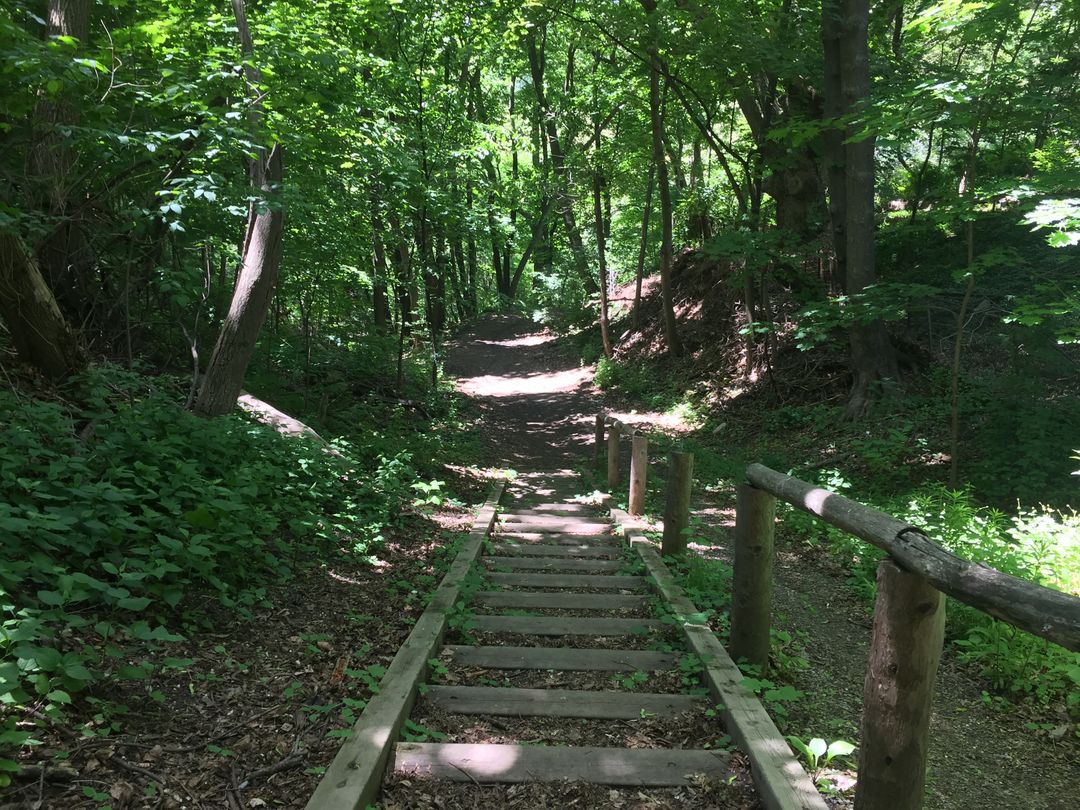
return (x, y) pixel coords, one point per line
(562, 525)
(555, 549)
(564, 625)
(498, 763)
(555, 538)
(551, 564)
(570, 659)
(593, 704)
(551, 510)
(597, 581)
(556, 599)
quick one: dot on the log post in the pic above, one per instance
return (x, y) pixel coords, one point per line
(677, 509)
(598, 446)
(909, 626)
(751, 595)
(614, 434)
(639, 466)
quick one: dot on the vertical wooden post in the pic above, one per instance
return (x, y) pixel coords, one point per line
(677, 509)
(751, 595)
(614, 434)
(909, 626)
(639, 466)
(598, 447)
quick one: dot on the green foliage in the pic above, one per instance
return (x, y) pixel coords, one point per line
(1038, 544)
(118, 516)
(818, 754)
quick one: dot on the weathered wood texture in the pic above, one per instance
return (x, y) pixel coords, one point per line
(565, 625)
(564, 599)
(562, 658)
(538, 524)
(353, 779)
(1044, 612)
(614, 473)
(781, 782)
(598, 705)
(598, 445)
(677, 509)
(639, 468)
(552, 564)
(751, 592)
(495, 764)
(557, 538)
(909, 627)
(555, 550)
(595, 581)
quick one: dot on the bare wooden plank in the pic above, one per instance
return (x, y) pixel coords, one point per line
(557, 510)
(553, 538)
(494, 764)
(565, 625)
(628, 583)
(1042, 611)
(352, 780)
(781, 781)
(540, 523)
(562, 658)
(551, 564)
(595, 704)
(555, 550)
(560, 599)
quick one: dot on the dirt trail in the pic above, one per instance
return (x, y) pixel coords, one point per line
(537, 399)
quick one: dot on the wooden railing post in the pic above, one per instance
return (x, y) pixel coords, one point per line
(751, 595)
(677, 508)
(639, 465)
(905, 647)
(613, 436)
(598, 447)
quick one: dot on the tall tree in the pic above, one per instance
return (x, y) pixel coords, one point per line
(663, 187)
(260, 257)
(873, 360)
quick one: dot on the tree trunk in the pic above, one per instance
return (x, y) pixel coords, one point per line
(63, 255)
(872, 356)
(833, 135)
(258, 267)
(671, 335)
(564, 198)
(601, 258)
(38, 330)
(646, 216)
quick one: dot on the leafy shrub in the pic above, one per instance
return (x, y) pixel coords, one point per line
(116, 513)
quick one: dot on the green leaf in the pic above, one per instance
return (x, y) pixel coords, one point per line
(840, 748)
(818, 747)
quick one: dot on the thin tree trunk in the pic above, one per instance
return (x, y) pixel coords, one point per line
(671, 335)
(646, 216)
(601, 259)
(558, 162)
(833, 134)
(259, 264)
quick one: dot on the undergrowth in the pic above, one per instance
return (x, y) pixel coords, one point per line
(121, 514)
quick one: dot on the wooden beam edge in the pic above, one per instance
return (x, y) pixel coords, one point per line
(781, 781)
(354, 777)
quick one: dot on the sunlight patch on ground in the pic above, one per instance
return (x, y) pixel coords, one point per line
(537, 339)
(553, 382)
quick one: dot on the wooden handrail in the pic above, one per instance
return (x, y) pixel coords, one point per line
(1036, 609)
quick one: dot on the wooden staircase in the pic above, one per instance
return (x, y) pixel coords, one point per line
(587, 611)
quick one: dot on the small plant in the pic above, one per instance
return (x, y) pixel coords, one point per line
(631, 680)
(817, 754)
(415, 732)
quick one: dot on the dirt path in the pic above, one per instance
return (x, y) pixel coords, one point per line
(537, 400)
